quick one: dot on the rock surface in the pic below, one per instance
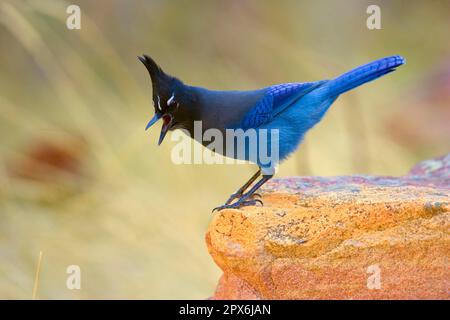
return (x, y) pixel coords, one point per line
(353, 237)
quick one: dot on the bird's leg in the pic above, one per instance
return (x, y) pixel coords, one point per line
(258, 185)
(242, 189)
(243, 200)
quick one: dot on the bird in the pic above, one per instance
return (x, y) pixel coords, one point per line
(290, 109)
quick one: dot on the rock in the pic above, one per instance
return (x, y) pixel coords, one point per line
(351, 237)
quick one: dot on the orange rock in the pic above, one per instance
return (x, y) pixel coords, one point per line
(356, 237)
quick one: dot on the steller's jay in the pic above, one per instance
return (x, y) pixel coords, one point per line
(292, 108)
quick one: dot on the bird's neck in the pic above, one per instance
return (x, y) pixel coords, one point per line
(213, 109)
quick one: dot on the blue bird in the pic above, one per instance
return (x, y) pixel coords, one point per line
(289, 109)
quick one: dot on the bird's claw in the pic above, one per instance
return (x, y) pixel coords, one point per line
(237, 195)
(238, 204)
(232, 197)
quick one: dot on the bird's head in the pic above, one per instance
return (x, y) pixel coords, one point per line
(168, 95)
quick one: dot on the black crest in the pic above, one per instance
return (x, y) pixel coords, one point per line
(161, 82)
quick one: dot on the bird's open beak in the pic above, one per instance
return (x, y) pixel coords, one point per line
(167, 122)
(155, 118)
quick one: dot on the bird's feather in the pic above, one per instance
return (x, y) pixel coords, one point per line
(276, 99)
(360, 75)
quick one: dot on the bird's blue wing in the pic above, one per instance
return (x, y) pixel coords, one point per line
(276, 99)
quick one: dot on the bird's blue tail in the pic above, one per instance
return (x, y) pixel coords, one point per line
(362, 74)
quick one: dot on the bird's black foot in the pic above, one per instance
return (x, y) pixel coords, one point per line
(240, 203)
(231, 198)
(238, 195)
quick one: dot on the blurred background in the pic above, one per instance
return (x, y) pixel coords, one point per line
(80, 179)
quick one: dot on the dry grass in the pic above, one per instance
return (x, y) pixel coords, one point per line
(133, 221)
